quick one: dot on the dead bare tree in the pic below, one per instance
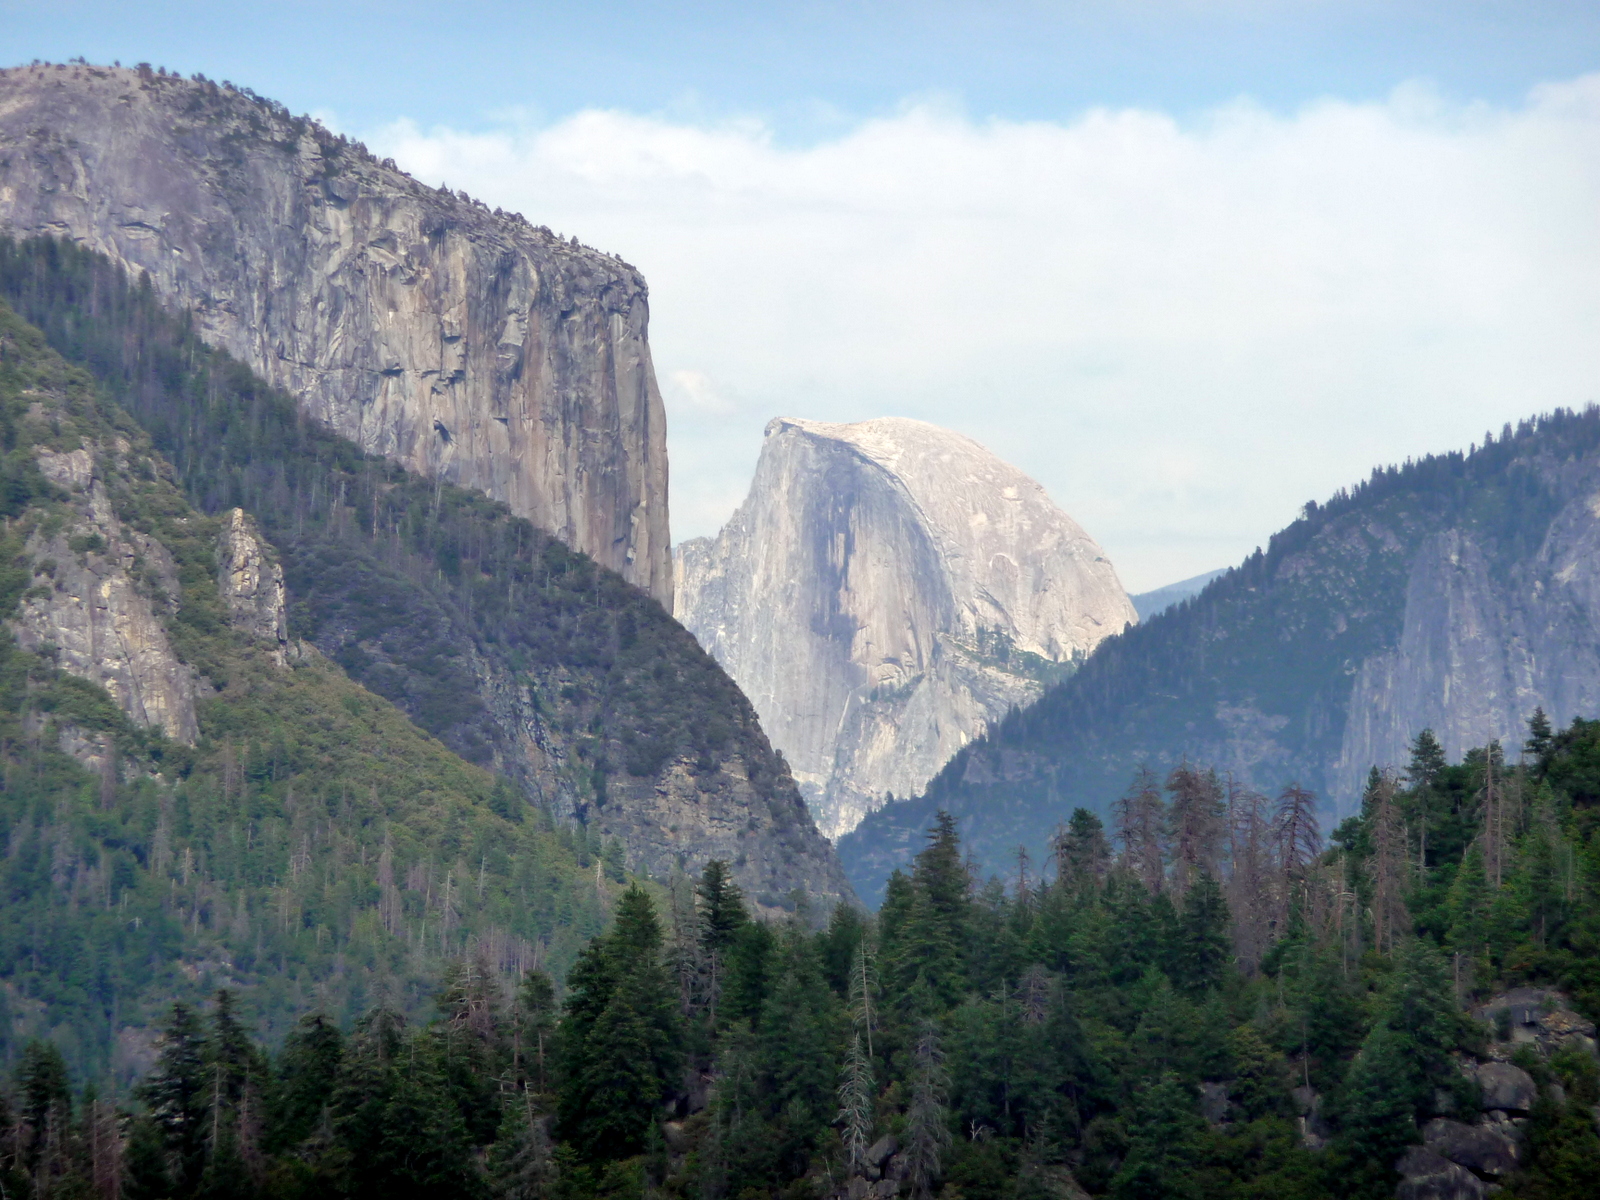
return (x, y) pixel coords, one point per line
(1140, 824)
(1387, 865)
(1253, 876)
(1195, 824)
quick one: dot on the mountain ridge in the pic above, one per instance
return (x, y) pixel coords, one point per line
(1456, 592)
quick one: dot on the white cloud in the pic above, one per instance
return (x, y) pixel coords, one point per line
(698, 391)
(1183, 330)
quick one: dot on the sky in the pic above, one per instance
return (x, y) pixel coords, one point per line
(1188, 264)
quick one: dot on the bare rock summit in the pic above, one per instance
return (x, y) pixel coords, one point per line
(887, 590)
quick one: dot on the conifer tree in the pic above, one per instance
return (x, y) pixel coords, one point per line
(1427, 765)
(45, 1130)
(927, 1118)
(930, 940)
(1081, 852)
(303, 1084)
(176, 1096)
(620, 1040)
(1195, 824)
(533, 1026)
(1386, 865)
(1540, 741)
(721, 915)
(522, 1163)
(857, 1090)
(1203, 949)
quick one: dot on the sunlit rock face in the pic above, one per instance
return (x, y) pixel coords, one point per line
(888, 589)
(462, 342)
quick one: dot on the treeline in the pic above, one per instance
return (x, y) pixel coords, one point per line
(1152, 1018)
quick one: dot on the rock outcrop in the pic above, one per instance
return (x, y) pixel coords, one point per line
(251, 582)
(462, 342)
(92, 607)
(887, 590)
(1480, 647)
(1468, 1155)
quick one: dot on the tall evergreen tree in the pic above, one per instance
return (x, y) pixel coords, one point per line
(176, 1095)
(621, 1044)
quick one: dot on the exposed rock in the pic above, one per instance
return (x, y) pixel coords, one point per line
(1056, 1182)
(882, 1150)
(1541, 1018)
(251, 582)
(1425, 1175)
(682, 815)
(1214, 1103)
(1476, 1147)
(1315, 1133)
(1478, 651)
(1506, 1087)
(886, 591)
(458, 341)
(87, 612)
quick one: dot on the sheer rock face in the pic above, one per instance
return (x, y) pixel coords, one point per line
(460, 342)
(251, 582)
(93, 604)
(887, 589)
(1481, 646)
(680, 817)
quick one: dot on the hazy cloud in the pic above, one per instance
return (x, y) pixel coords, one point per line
(1184, 330)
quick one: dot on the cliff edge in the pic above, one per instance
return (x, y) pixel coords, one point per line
(463, 343)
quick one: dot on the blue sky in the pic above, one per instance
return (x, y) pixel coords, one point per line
(803, 66)
(1188, 264)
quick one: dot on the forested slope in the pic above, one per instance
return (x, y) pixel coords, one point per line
(517, 652)
(1457, 593)
(1214, 1006)
(295, 836)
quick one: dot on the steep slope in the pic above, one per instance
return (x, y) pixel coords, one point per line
(1457, 593)
(515, 651)
(192, 801)
(462, 343)
(887, 589)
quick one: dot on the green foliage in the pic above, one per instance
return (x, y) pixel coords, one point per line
(314, 842)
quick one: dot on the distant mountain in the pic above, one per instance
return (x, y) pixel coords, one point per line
(515, 651)
(1148, 604)
(886, 591)
(1458, 593)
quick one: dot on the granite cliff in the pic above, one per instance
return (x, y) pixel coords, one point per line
(463, 343)
(887, 590)
(1457, 593)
